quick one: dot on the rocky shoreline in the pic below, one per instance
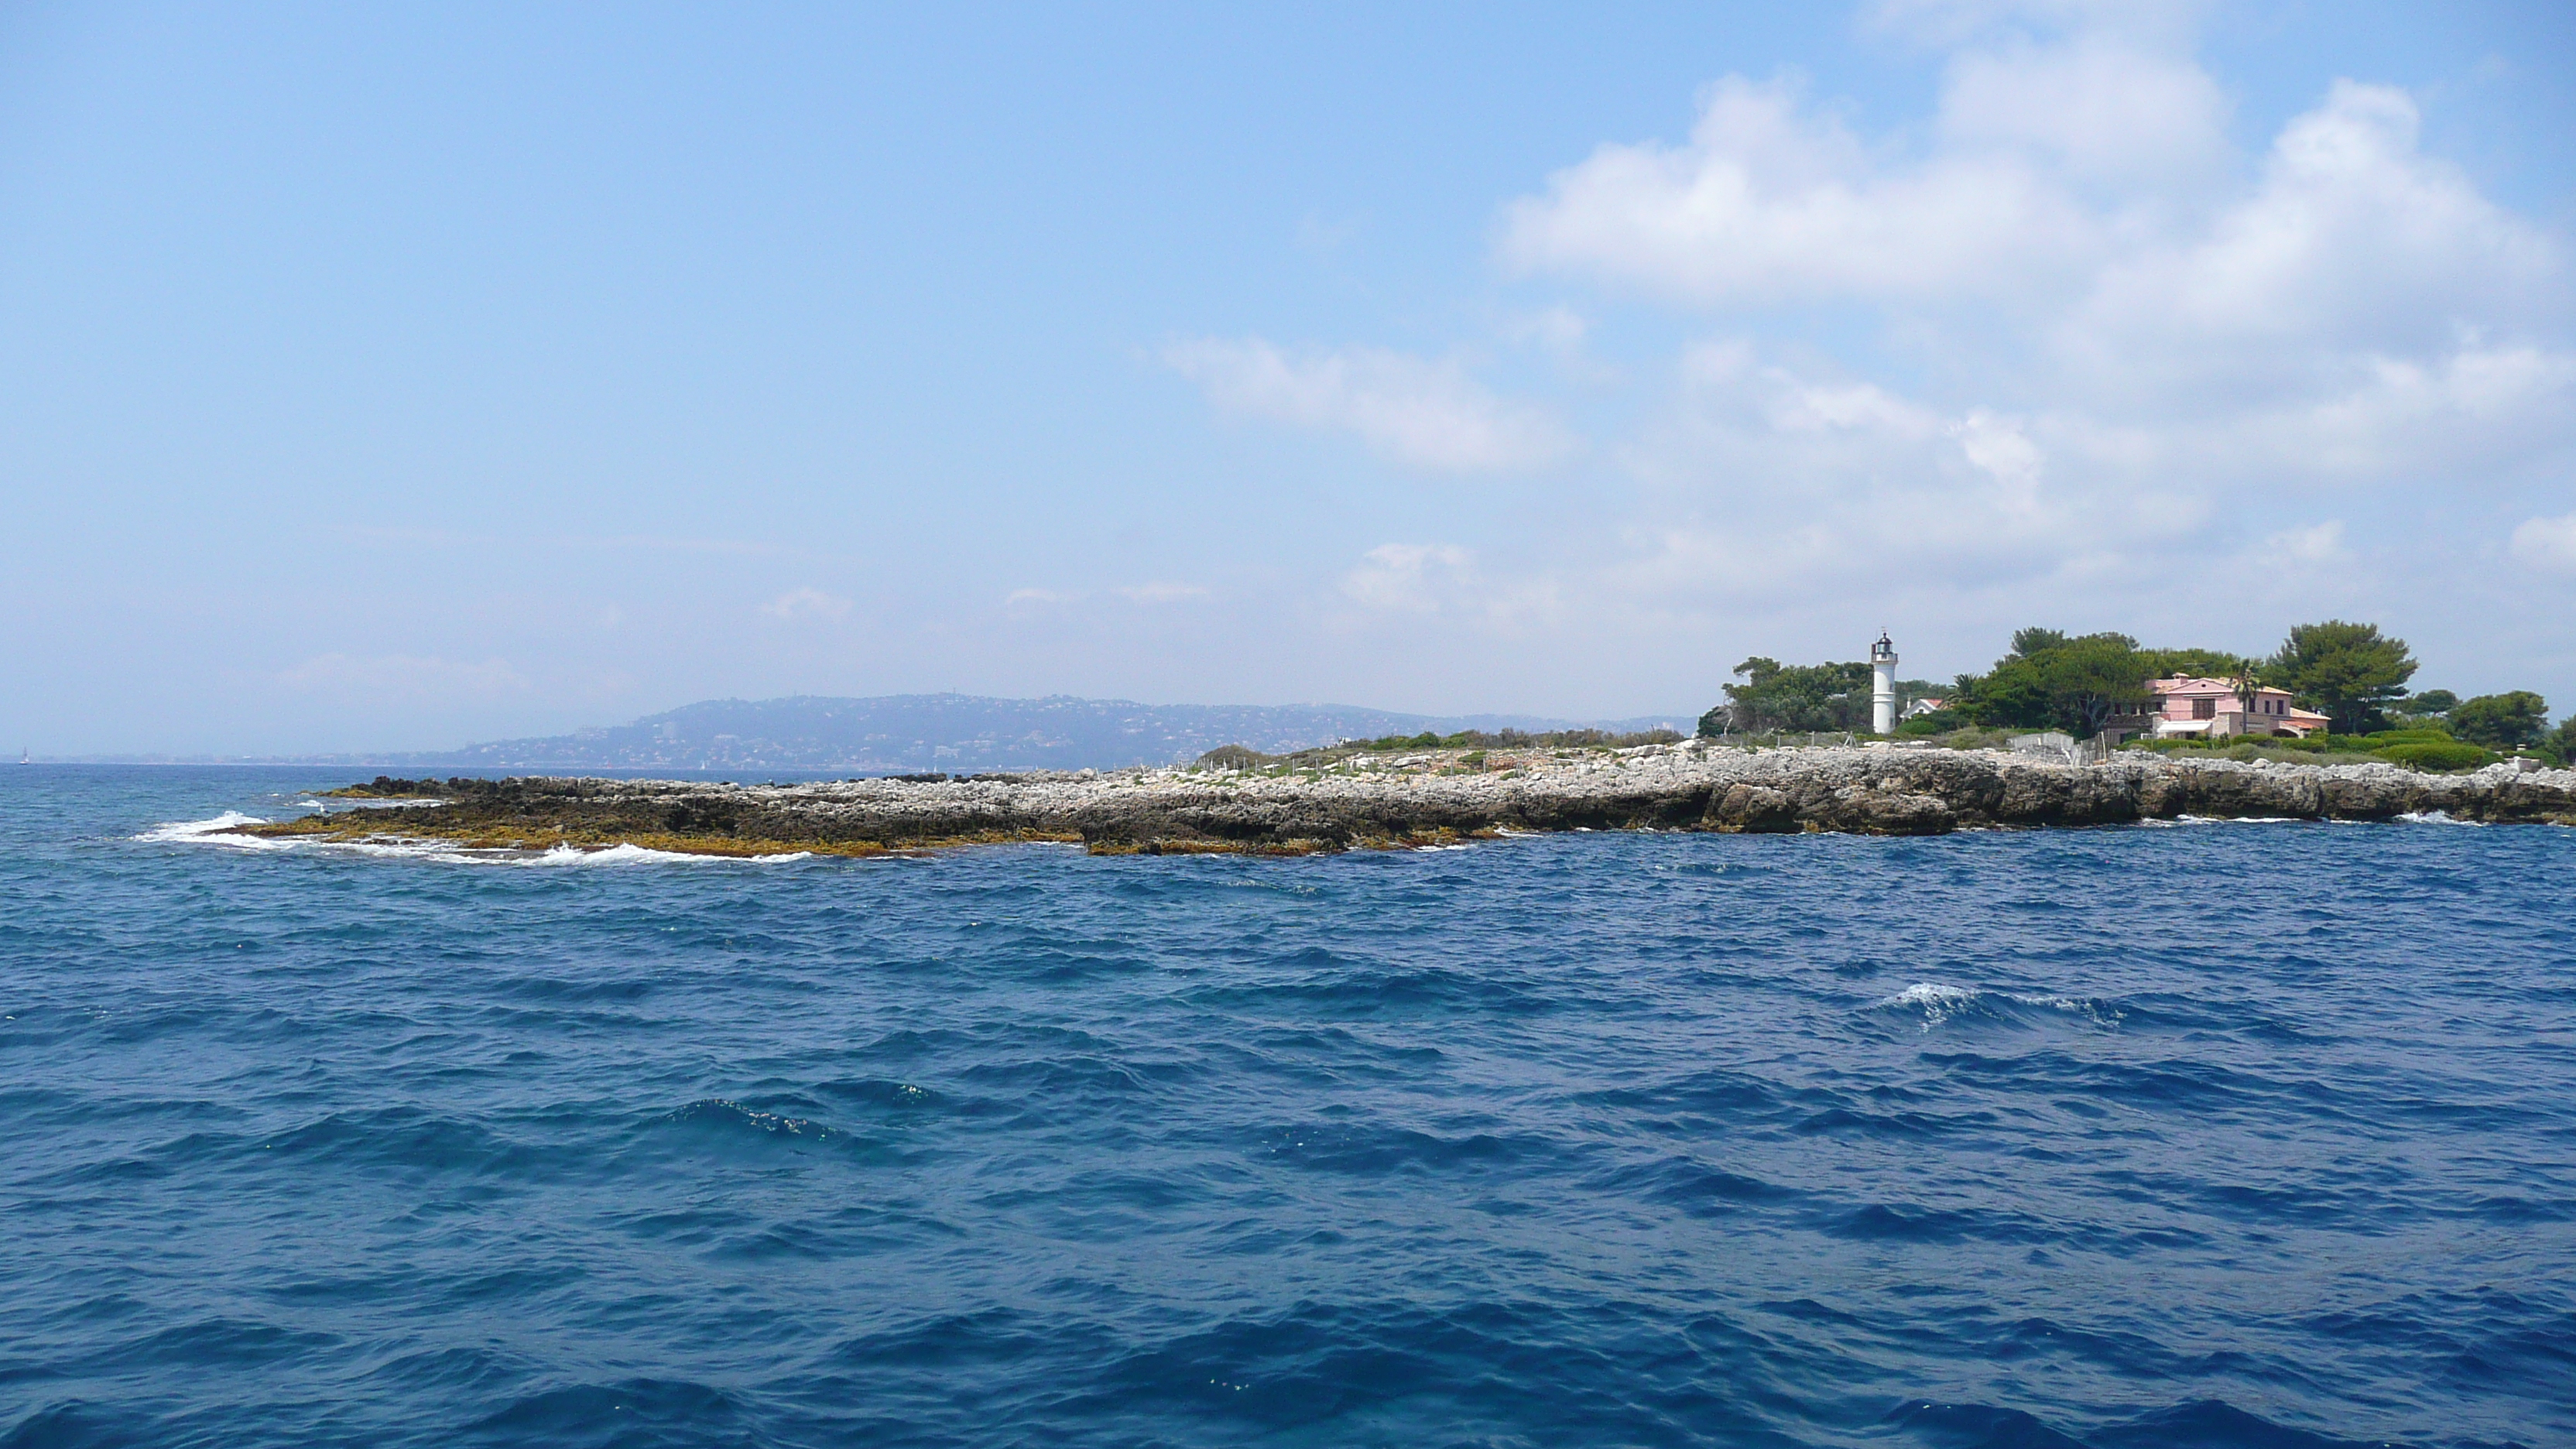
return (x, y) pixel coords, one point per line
(1426, 797)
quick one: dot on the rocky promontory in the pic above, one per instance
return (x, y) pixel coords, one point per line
(1427, 796)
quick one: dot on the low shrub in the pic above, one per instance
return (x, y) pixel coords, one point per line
(2444, 754)
(1233, 757)
(2325, 744)
(2229, 746)
(1518, 739)
(2411, 735)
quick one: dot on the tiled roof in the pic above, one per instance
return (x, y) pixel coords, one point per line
(2192, 684)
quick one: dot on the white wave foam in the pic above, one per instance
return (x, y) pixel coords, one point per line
(2435, 817)
(399, 849)
(217, 832)
(639, 855)
(213, 832)
(1939, 1002)
(2090, 1010)
(559, 855)
(2236, 820)
(2053, 1003)
(1931, 993)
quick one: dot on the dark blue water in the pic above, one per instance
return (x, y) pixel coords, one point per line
(2210, 1135)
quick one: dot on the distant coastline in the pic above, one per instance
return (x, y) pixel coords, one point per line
(913, 733)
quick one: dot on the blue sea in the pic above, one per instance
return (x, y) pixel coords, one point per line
(2217, 1134)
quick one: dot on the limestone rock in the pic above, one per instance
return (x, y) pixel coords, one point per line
(1752, 809)
(1378, 800)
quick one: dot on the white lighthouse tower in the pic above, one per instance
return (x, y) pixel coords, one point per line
(1882, 686)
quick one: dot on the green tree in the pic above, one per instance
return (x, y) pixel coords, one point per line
(2350, 672)
(2430, 704)
(2052, 680)
(2093, 678)
(2193, 663)
(2506, 721)
(2560, 744)
(2245, 676)
(2010, 695)
(1776, 696)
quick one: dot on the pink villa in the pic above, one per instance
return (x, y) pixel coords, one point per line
(2190, 706)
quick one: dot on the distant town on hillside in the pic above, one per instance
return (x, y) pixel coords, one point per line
(954, 733)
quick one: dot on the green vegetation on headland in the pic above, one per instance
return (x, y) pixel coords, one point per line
(2085, 685)
(1476, 744)
(2417, 749)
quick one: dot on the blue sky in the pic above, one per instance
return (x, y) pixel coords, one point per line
(388, 379)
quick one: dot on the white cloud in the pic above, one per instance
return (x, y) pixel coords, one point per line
(1770, 485)
(2124, 338)
(1426, 413)
(1800, 407)
(797, 605)
(2073, 222)
(1764, 204)
(1407, 577)
(2478, 409)
(1419, 581)
(2001, 448)
(2316, 545)
(2352, 246)
(2548, 543)
(2099, 109)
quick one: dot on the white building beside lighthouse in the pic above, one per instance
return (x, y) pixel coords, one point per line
(1882, 686)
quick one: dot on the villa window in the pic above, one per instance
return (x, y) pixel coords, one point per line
(2204, 709)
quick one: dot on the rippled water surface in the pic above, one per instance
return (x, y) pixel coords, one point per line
(2207, 1135)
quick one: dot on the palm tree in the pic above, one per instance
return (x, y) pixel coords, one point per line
(2242, 677)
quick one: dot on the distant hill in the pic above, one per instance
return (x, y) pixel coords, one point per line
(959, 733)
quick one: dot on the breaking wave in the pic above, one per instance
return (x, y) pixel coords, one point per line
(2435, 817)
(214, 831)
(1936, 1003)
(220, 831)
